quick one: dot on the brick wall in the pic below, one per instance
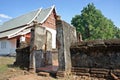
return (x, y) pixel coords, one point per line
(51, 21)
(97, 58)
(96, 54)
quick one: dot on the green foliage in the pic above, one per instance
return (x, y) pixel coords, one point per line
(92, 24)
(117, 32)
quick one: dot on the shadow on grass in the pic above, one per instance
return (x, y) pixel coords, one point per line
(11, 66)
(16, 66)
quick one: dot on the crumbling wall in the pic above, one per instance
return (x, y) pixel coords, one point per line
(99, 57)
(40, 47)
(42, 58)
(38, 54)
(66, 35)
(22, 57)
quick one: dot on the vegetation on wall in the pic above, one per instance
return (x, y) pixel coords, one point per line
(92, 24)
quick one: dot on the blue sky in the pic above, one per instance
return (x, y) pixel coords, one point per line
(65, 8)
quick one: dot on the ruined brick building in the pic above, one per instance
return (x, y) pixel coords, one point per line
(42, 29)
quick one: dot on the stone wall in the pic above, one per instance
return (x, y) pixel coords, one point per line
(40, 47)
(22, 57)
(98, 54)
(99, 57)
(38, 54)
(42, 58)
(66, 35)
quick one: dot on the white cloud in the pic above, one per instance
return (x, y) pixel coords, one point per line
(5, 16)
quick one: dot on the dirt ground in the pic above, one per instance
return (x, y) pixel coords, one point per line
(30, 77)
(10, 72)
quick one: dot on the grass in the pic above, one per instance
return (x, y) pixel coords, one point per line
(3, 68)
(4, 62)
(6, 68)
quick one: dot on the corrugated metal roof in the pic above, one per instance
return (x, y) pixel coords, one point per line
(40, 15)
(26, 18)
(43, 15)
(7, 33)
(19, 21)
(25, 31)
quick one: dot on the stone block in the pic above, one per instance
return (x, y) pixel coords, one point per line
(60, 74)
(82, 74)
(97, 75)
(82, 70)
(116, 72)
(43, 74)
(99, 71)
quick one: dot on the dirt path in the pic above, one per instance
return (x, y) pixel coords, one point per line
(26, 77)
(29, 77)
(10, 72)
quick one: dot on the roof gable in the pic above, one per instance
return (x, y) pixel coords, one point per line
(40, 15)
(44, 14)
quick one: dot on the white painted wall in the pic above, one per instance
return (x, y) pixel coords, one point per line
(11, 44)
(10, 47)
(53, 37)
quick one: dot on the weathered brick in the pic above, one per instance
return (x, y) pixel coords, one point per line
(83, 74)
(82, 70)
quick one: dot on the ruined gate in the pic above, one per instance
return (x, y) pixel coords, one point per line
(40, 47)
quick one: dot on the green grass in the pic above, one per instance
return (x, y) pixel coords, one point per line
(3, 68)
(4, 62)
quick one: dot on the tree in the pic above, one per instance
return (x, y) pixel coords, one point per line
(117, 32)
(92, 24)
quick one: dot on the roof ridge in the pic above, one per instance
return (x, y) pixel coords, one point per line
(52, 7)
(39, 10)
(27, 22)
(18, 16)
